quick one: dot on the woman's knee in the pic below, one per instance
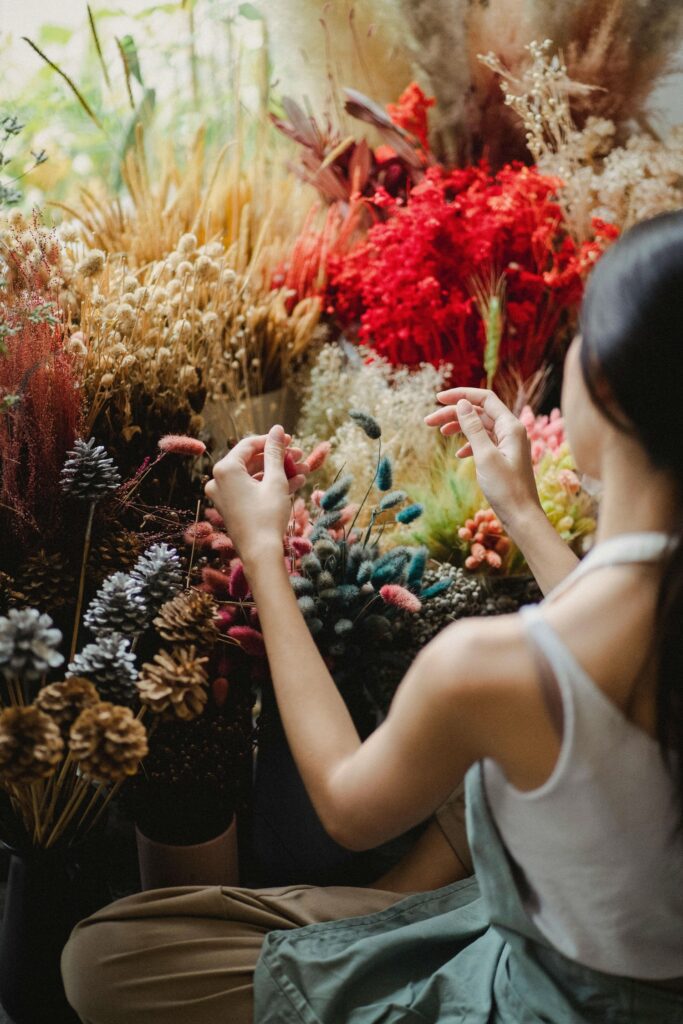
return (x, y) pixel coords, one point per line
(92, 972)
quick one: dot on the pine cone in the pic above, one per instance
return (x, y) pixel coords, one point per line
(108, 742)
(115, 551)
(63, 702)
(175, 684)
(159, 573)
(110, 665)
(30, 745)
(28, 645)
(45, 581)
(189, 618)
(89, 473)
(118, 607)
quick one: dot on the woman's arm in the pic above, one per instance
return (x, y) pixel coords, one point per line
(461, 700)
(499, 444)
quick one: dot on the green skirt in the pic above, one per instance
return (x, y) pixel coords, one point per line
(464, 953)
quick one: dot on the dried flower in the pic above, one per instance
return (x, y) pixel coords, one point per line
(108, 743)
(89, 473)
(92, 264)
(385, 475)
(250, 640)
(410, 513)
(30, 745)
(392, 500)
(367, 423)
(238, 583)
(401, 598)
(335, 496)
(486, 539)
(178, 444)
(63, 702)
(175, 683)
(318, 456)
(28, 645)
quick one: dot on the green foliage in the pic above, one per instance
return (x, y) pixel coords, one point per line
(10, 127)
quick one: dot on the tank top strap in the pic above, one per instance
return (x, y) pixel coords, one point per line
(623, 549)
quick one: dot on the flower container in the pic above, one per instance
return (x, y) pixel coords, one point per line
(289, 844)
(214, 862)
(48, 892)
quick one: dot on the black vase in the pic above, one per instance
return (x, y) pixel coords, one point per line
(289, 844)
(48, 892)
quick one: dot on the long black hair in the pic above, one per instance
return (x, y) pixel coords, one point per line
(632, 362)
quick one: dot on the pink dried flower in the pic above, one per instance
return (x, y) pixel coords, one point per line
(289, 466)
(298, 546)
(180, 444)
(199, 534)
(222, 545)
(401, 598)
(348, 513)
(225, 617)
(486, 539)
(568, 479)
(316, 497)
(250, 640)
(213, 516)
(544, 432)
(239, 587)
(318, 456)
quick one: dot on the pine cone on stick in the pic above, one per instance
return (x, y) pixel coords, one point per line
(89, 473)
(108, 742)
(189, 618)
(30, 745)
(28, 644)
(117, 550)
(110, 665)
(118, 607)
(63, 702)
(175, 684)
(159, 573)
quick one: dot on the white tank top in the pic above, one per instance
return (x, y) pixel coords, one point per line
(597, 848)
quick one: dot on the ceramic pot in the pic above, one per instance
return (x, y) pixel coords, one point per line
(214, 862)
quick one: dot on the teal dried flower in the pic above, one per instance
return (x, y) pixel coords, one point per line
(385, 475)
(301, 586)
(338, 649)
(329, 519)
(325, 580)
(436, 588)
(392, 500)
(364, 573)
(410, 514)
(334, 497)
(326, 549)
(390, 571)
(416, 569)
(311, 565)
(306, 605)
(368, 423)
(343, 627)
(314, 626)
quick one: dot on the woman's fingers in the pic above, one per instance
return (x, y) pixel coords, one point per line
(449, 416)
(485, 398)
(473, 429)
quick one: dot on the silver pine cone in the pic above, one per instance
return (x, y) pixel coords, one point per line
(159, 575)
(28, 645)
(109, 663)
(118, 607)
(88, 472)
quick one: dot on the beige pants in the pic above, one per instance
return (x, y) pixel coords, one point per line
(187, 955)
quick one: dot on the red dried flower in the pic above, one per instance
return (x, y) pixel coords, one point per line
(410, 113)
(250, 640)
(412, 283)
(239, 587)
(213, 516)
(199, 534)
(217, 582)
(219, 690)
(179, 444)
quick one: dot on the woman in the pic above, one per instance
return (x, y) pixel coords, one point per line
(569, 718)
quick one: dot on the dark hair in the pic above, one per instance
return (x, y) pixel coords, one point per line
(632, 362)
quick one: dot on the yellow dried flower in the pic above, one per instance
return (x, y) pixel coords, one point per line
(30, 745)
(91, 264)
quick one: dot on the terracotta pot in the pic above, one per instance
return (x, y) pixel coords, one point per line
(230, 420)
(214, 862)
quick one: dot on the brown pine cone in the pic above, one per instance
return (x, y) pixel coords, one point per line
(174, 684)
(46, 581)
(114, 551)
(30, 745)
(63, 702)
(108, 742)
(189, 618)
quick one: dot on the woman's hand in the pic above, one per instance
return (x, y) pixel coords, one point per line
(500, 446)
(251, 491)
